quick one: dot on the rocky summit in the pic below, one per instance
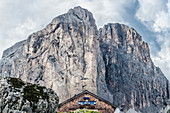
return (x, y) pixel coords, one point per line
(71, 55)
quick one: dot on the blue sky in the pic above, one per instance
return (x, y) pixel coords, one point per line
(151, 19)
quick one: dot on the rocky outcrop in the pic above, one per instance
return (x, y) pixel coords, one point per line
(70, 55)
(19, 97)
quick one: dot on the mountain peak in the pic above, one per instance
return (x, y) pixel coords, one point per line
(81, 13)
(77, 14)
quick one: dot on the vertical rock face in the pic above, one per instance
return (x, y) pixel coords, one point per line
(131, 75)
(71, 55)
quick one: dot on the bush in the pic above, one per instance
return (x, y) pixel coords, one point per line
(16, 83)
(33, 93)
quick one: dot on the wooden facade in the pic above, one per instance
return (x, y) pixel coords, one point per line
(86, 100)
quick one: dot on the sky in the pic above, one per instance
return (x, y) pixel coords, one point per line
(150, 18)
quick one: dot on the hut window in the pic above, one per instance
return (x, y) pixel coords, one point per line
(80, 103)
(85, 102)
(94, 102)
(86, 98)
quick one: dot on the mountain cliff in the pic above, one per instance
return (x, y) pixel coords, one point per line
(130, 71)
(70, 55)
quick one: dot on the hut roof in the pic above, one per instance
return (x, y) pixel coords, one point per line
(86, 92)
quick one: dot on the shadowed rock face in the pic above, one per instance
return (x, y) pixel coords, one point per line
(130, 71)
(71, 55)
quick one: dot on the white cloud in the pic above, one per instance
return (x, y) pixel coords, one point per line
(162, 20)
(148, 9)
(154, 14)
(150, 12)
(21, 29)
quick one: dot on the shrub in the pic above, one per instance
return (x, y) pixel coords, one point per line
(33, 93)
(16, 82)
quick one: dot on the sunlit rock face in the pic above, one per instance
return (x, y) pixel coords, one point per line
(70, 55)
(64, 56)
